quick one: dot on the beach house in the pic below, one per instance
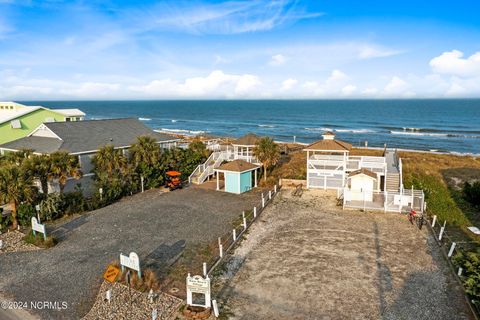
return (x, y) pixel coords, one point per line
(239, 149)
(366, 182)
(18, 120)
(83, 139)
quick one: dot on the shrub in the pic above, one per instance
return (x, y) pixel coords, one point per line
(470, 262)
(51, 207)
(438, 197)
(25, 214)
(73, 202)
(38, 240)
(471, 193)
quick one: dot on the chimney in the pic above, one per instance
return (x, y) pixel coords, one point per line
(328, 135)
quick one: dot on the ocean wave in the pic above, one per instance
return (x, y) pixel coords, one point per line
(144, 119)
(266, 126)
(355, 130)
(318, 129)
(431, 134)
(431, 130)
(182, 131)
(173, 120)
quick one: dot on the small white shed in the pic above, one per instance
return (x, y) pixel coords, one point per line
(362, 183)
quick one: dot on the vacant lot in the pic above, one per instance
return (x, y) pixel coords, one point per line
(158, 226)
(308, 259)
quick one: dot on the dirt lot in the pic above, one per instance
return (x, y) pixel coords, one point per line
(308, 259)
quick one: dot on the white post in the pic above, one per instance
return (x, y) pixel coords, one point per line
(141, 180)
(218, 181)
(234, 234)
(220, 248)
(256, 178)
(108, 295)
(215, 308)
(1, 244)
(452, 247)
(460, 271)
(269, 195)
(413, 199)
(254, 212)
(204, 269)
(275, 189)
(244, 223)
(263, 202)
(434, 220)
(441, 231)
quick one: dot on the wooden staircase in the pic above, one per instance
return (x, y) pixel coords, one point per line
(393, 181)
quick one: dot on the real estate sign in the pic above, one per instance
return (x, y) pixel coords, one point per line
(201, 285)
(38, 227)
(131, 261)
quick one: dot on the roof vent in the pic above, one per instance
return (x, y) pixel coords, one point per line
(328, 135)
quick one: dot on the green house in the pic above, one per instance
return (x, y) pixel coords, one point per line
(18, 121)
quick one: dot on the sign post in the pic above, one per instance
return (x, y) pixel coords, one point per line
(201, 285)
(38, 227)
(132, 262)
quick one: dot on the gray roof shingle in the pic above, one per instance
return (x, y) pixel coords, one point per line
(88, 135)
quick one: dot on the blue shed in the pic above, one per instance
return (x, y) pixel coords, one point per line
(238, 176)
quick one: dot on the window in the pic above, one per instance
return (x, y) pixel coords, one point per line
(68, 119)
(16, 124)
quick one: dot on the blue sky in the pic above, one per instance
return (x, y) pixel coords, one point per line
(238, 49)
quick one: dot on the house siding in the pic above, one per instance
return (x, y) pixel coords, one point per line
(232, 182)
(246, 181)
(29, 122)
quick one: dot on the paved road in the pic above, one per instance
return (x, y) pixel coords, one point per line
(152, 222)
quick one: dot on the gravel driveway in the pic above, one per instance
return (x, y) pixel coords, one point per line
(152, 222)
(308, 259)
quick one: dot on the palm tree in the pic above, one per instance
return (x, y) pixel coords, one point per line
(64, 166)
(109, 162)
(145, 157)
(267, 152)
(145, 151)
(17, 157)
(15, 187)
(40, 167)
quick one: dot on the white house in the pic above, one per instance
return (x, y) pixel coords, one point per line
(361, 181)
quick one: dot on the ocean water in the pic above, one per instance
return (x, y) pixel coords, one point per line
(438, 125)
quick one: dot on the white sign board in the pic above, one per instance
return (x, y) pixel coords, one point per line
(198, 284)
(38, 227)
(131, 261)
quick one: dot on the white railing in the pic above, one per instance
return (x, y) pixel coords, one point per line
(200, 169)
(383, 200)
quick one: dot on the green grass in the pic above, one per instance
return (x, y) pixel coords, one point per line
(39, 241)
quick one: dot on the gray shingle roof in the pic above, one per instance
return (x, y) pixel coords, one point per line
(88, 135)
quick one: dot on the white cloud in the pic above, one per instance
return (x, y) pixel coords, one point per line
(453, 63)
(228, 17)
(289, 84)
(348, 90)
(367, 51)
(216, 84)
(277, 60)
(396, 86)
